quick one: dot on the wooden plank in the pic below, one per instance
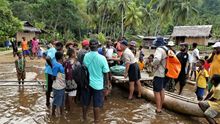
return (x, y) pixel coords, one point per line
(23, 81)
(23, 85)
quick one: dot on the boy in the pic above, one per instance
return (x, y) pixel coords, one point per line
(20, 67)
(58, 83)
(211, 105)
(141, 63)
(148, 65)
(201, 79)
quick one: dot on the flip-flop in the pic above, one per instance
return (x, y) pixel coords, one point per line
(158, 111)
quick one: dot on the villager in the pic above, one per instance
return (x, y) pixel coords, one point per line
(214, 59)
(207, 64)
(195, 57)
(132, 70)
(58, 83)
(24, 47)
(149, 66)
(50, 59)
(201, 79)
(141, 63)
(71, 85)
(20, 68)
(211, 105)
(132, 47)
(159, 63)
(83, 51)
(98, 69)
(141, 52)
(183, 57)
(35, 46)
(15, 47)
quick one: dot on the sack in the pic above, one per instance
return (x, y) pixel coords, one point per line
(118, 70)
(70, 85)
(59, 83)
(173, 65)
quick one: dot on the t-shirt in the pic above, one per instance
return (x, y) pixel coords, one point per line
(24, 45)
(58, 72)
(128, 56)
(195, 53)
(214, 67)
(97, 65)
(159, 62)
(207, 66)
(216, 94)
(201, 76)
(109, 52)
(184, 60)
(141, 65)
(50, 53)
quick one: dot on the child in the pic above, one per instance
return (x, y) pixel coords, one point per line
(201, 79)
(58, 84)
(211, 105)
(20, 67)
(207, 64)
(148, 65)
(39, 53)
(69, 65)
(141, 63)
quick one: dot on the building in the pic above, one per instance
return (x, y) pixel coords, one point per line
(28, 31)
(148, 41)
(190, 34)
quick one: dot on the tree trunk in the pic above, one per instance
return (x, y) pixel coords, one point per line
(122, 23)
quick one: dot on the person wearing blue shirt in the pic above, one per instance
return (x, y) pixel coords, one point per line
(98, 80)
(50, 59)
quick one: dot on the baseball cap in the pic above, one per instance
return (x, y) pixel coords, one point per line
(93, 43)
(85, 43)
(133, 43)
(124, 42)
(217, 44)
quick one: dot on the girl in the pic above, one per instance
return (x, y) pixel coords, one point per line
(69, 65)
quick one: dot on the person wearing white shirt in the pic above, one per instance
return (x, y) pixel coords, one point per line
(195, 57)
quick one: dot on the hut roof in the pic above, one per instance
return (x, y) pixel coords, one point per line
(192, 31)
(30, 28)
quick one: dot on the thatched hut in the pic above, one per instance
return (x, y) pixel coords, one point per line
(190, 34)
(28, 31)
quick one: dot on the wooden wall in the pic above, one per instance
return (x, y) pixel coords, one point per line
(198, 40)
(29, 36)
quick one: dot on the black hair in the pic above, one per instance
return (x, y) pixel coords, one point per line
(58, 55)
(151, 55)
(206, 57)
(215, 79)
(70, 51)
(194, 45)
(59, 44)
(93, 44)
(202, 61)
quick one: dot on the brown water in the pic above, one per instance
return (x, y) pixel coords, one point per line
(22, 105)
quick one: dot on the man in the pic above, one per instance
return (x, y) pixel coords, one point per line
(159, 63)
(15, 47)
(195, 57)
(50, 59)
(214, 59)
(132, 70)
(83, 51)
(183, 57)
(98, 80)
(109, 50)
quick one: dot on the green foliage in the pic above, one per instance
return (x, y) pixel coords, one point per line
(101, 37)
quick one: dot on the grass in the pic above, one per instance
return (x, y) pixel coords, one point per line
(4, 49)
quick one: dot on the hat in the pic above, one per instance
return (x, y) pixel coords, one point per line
(171, 43)
(159, 41)
(93, 43)
(85, 43)
(124, 42)
(133, 43)
(217, 44)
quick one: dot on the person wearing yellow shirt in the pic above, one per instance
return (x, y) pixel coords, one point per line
(141, 63)
(201, 79)
(211, 105)
(214, 60)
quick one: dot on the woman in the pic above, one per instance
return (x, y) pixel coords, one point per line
(35, 46)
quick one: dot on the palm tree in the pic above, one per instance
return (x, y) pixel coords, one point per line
(122, 5)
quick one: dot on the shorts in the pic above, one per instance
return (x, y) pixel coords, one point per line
(21, 75)
(158, 84)
(134, 72)
(193, 66)
(96, 95)
(71, 93)
(58, 97)
(210, 112)
(181, 79)
(26, 52)
(200, 92)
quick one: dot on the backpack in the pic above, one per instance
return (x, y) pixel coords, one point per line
(173, 65)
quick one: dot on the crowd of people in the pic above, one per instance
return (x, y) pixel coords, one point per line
(75, 74)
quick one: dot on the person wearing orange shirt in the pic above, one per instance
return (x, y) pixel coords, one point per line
(24, 47)
(141, 63)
